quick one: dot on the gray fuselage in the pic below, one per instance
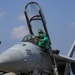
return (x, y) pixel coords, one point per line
(24, 57)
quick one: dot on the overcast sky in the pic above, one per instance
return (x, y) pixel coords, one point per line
(60, 18)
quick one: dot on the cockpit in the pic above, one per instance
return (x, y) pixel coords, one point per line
(30, 38)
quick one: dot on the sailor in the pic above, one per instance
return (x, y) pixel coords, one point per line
(43, 40)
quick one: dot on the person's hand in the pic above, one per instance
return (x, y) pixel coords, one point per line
(37, 39)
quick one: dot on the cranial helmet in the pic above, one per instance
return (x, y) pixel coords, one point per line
(40, 31)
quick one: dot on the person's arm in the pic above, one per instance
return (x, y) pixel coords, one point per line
(42, 41)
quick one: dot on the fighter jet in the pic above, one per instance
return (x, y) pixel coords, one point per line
(28, 58)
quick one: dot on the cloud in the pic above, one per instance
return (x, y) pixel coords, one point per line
(19, 32)
(73, 24)
(22, 17)
(3, 14)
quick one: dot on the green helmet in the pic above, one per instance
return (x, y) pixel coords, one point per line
(40, 31)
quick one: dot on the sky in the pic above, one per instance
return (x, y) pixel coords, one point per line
(59, 15)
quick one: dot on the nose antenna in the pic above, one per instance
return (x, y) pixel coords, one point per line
(0, 42)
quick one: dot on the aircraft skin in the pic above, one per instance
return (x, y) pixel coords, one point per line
(24, 57)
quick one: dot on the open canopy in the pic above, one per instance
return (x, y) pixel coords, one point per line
(35, 19)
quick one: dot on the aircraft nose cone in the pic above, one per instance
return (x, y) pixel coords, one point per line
(3, 59)
(10, 58)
